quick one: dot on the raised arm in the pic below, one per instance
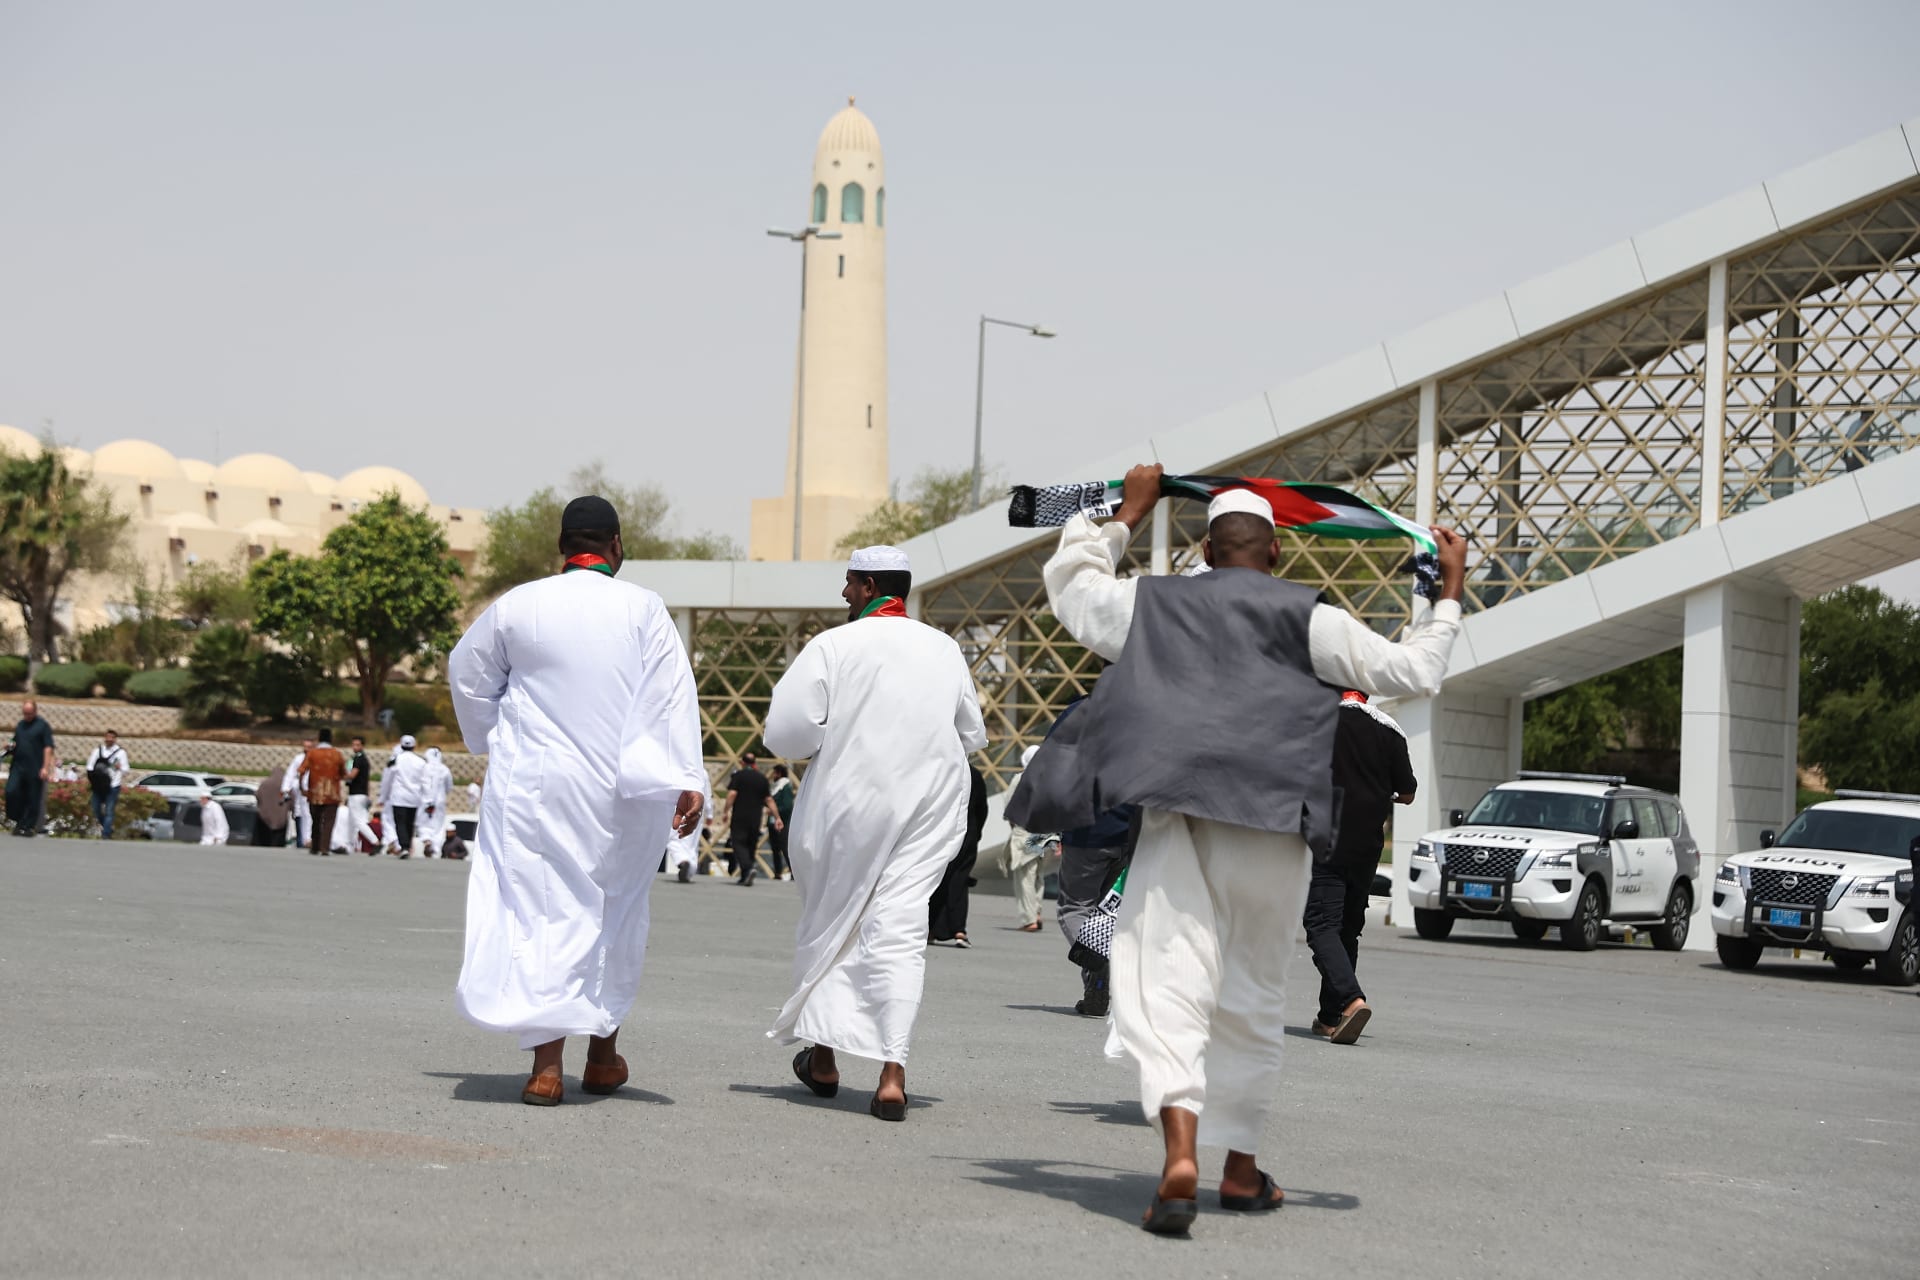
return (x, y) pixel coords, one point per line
(477, 679)
(1084, 588)
(1349, 655)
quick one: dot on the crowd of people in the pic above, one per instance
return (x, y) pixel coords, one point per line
(1193, 794)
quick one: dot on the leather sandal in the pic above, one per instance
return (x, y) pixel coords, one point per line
(1259, 1202)
(1170, 1217)
(1351, 1024)
(604, 1078)
(544, 1090)
(887, 1110)
(803, 1069)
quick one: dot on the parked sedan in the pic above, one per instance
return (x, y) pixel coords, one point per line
(180, 785)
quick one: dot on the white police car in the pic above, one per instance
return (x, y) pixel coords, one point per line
(1830, 882)
(1576, 851)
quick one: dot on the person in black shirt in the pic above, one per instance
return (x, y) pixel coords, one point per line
(359, 774)
(1371, 771)
(31, 766)
(749, 796)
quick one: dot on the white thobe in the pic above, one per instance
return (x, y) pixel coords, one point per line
(886, 709)
(213, 824)
(297, 800)
(579, 691)
(433, 817)
(1206, 926)
(405, 786)
(685, 850)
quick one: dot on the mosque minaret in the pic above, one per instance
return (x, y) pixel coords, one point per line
(844, 344)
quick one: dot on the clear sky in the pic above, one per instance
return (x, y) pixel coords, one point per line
(484, 242)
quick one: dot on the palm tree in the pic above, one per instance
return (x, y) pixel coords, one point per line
(53, 522)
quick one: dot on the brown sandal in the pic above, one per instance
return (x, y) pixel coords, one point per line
(544, 1090)
(604, 1078)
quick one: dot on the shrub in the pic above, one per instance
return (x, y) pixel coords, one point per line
(411, 712)
(278, 683)
(13, 671)
(113, 677)
(218, 669)
(70, 811)
(163, 688)
(65, 680)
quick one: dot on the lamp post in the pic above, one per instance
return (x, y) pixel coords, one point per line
(979, 393)
(800, 386)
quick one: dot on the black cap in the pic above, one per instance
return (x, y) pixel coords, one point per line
(591, 513)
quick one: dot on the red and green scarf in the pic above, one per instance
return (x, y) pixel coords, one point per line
(885, 607)
(1302, 507)
(587, 560)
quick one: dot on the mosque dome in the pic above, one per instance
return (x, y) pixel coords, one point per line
(197, 471)
(321, 483)
(369, 483)
(849, 130)
(77, 460)
(14, 440)
(141, 459)
(261, 471)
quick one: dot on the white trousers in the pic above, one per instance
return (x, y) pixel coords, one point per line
(1029, 889)
(1199, 970)
(301, 818)
(356, 815)
(431, 829)
(682, 851)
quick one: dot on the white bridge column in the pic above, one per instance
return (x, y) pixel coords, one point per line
(1460, 745)
(1739, 726)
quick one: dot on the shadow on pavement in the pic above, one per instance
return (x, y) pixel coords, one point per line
(498, 1088)
(1105, 1112)
(1067, 1009)
(1117, 1193)
(849, 1099)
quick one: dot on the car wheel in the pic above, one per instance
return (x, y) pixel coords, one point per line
(1738, 953)
(1529, 930)
(1899, 964)
(1434, 926)
(1850, 961)
(1582, 932)
(1671, 933)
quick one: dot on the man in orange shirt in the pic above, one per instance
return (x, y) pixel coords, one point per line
(323, 773)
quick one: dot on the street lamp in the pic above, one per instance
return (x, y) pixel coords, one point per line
(800, 388)
(979, 392)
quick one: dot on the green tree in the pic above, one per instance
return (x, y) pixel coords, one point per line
(217, 671)
(279, 682)
(53, 523)
(1865, 739)
(1856, 635)
(522, 540)
(209, 593)
(382, 589)
(1635, 706)
(934, 498)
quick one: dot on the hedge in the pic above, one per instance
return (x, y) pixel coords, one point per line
(66, 679)
(113, 677)
(70, 813)
(163, 688)
(13, 671)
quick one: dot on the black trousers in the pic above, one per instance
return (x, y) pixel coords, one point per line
(1336, 913)
(777, 841)
(26, 792)
(740, 851)
(403, 815)
(947, 908)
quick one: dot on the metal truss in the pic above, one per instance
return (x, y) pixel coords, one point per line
(1563, 452)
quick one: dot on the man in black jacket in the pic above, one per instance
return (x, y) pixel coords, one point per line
(1373, 772)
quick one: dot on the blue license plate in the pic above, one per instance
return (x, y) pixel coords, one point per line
(1791, 919)
(1471, 890)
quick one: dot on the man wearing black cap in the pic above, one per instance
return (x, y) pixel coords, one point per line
(578, 689)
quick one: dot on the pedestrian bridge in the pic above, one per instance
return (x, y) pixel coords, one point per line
(1668, 443)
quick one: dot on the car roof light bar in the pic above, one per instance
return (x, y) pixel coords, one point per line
(1543, 775)
(1876, 795)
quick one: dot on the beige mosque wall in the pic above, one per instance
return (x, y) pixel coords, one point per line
(186, 512)
(844, 454)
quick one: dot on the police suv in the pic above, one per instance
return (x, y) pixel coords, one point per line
(1831, 881)
(1574, 850)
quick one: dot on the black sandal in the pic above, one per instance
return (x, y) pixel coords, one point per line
(803, 1068)
(1259, 1202)
(887, 1110)
(1171, 1217)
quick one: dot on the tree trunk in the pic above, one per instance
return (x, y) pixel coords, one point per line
(40, 641)
(373, 691)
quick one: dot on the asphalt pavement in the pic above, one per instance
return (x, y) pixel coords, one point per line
(238, 1062)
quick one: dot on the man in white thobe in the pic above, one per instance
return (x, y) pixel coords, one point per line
(408, 794)
(1214, 718)
(885, 707)
(300, 814)
(578, 689)
(683, 851)
(433, 814)
(213, 820)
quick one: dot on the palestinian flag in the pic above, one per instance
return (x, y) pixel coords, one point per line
(1305, 508)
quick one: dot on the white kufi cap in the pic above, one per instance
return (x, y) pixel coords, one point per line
(879, 560)
(1239, 502)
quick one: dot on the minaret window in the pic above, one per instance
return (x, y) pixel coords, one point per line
(819, 203)
(880, 207)
(853, 203)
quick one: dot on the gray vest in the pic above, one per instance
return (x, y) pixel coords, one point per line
(1213, 711)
